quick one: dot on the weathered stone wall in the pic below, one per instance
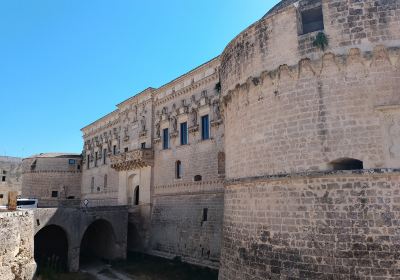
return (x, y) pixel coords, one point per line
(10, 177)
(16, 245)
(44, 174)
(305, 116)
(292, 108)
(274, 40)
(178, 228)
(313, 226)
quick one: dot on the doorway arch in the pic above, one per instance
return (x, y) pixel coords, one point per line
(98, 242)
(51, 249)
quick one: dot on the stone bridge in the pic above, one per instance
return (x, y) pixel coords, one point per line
(67, 237)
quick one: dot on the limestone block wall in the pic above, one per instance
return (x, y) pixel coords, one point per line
(51, 178)
(305, 116)
(16, 245)
(178, 228)
(275, 39)
(340, 225)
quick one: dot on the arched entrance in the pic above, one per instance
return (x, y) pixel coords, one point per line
(98, 242)
(133, 190)
(51, 249)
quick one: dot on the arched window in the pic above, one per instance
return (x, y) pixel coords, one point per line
(198, 178)
(347, 164)
(178, 170)
(136, 200)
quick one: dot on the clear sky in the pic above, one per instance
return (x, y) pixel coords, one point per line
(66, 63)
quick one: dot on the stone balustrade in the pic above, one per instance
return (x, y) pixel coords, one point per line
(132, 160)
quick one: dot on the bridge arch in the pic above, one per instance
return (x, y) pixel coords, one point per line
(98, 242)
(51, 248)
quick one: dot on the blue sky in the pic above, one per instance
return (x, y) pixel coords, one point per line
(66, 63)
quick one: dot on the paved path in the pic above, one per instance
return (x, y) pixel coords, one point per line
(104, 272)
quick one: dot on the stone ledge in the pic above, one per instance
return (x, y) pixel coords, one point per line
(314, 174)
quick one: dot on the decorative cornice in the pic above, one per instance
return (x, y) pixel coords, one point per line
(187, 89)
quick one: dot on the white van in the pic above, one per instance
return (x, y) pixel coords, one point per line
(24, 203)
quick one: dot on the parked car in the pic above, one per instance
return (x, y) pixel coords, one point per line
(24, 203)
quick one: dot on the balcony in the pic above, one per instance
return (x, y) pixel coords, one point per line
(132, 160)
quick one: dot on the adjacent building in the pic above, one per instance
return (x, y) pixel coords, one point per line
(10, 177)
(53, 178)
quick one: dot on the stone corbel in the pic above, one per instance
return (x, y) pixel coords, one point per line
(156, 140)
(216, 122)
(173, 134)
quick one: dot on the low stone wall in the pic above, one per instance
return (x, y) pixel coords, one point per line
(16, 245)
(337, 225)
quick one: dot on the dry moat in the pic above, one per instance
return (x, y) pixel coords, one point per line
(136, 267)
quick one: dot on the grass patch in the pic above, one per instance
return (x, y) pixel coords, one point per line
(145, 267)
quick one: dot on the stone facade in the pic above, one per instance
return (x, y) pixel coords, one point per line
(10, 177)
(52, 178)
(263, 137)
(16, 245)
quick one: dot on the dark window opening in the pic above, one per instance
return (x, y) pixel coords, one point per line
(114, 150)
(4, 172)
(205, 128)
(92, 185)
(95, 159)
(178, 169)
(54, 194)
(3, 178)
(126, 150)
(136, 202)
(88, 162)
(98, 189)
(78, 167)
(143, 145)
(165, 138)
(71, 161)
(71, 197)
(312, 20)
(205, 214)
(198, 178)
(347, 164)
(1, 195)
(104, 156)
(184, 133)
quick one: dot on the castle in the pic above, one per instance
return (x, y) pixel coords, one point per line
(279, 159)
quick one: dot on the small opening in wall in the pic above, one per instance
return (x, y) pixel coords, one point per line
(205, 214)
(1, 195)
(71, 197)
(54, 194)
(178, 170)
(3, 178)
(312, 20)
(136, 199)
(126, 150)
(78, 167)
(37, 222)
(346, 164)
(198, 178)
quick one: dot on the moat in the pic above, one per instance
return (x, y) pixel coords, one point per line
(136, 267)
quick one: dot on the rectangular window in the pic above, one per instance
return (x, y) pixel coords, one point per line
(143, 145)
(54, 194)
(88, 162)
(114, 150)
(1, 195)
(92, 185)
(95, 159)
(184, 133)
(71, 162)
(312, 20)
(126, 150)
(104, 156)
(205, 128)
(165, 138)
(3, 178)
(205, 214)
